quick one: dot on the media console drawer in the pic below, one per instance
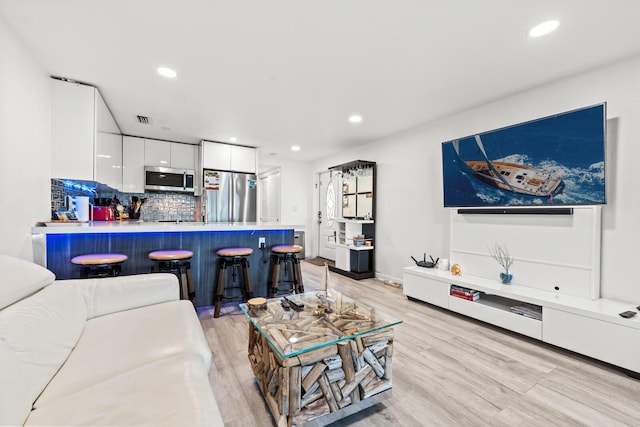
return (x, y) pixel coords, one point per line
(432, 291)
(596, 338)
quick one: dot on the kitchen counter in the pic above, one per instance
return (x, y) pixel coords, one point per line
(135, 226)
(59, 242)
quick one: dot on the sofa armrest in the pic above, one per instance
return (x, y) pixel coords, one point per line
(113, 294)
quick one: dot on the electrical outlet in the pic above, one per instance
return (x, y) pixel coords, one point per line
(261, 242)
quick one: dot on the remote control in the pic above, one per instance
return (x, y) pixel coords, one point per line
(285, 304)
(296, 306)
(627, 314)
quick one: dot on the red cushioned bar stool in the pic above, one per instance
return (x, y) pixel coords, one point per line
(237, 259)
(178, 262)
(99, 265)
(285, 255)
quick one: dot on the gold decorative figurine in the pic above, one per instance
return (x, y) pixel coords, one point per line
(456, 270)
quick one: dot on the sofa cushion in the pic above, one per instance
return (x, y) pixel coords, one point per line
(15, 402)
(21, 278)
(40, 332)
(174, 391)
(115, 343)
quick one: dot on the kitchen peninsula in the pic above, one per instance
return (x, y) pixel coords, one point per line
(136, 239)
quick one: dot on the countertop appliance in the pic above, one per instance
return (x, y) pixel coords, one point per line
(168, 179)
(103, 213)
(79, 205)
(229, 196)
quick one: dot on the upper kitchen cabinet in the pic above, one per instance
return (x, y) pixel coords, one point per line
(72, 130)
(228, 157)
(85, 140)
(108, 167)
(243, 159)
(183, 156)
(133, 164)
(169, 154)
(216, 156)
(157, 153)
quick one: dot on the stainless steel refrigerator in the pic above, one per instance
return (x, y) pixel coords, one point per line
(229, 196)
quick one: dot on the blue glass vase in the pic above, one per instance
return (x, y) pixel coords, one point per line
(506, 278)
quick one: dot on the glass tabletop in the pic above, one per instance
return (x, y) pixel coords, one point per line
(314, 320)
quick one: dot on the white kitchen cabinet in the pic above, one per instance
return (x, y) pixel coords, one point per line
(108, 167)
(157, 153)
(86, 143)
(104, 120)
(228, 157)
(183, 156)
(133, 164)
(243, 159)
(72, 130)
(216, 156)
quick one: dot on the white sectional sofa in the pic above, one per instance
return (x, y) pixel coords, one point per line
(113, 351)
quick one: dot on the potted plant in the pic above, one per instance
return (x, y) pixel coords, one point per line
(501, 254)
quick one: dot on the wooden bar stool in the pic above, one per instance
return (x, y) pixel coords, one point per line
(237, 259)
(285, 255)
(99, 265)
(178, 262)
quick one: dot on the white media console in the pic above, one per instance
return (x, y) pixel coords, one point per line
(571, 314)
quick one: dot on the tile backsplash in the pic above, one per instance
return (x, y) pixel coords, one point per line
(158, 206)
(61, 188)
(165, 206)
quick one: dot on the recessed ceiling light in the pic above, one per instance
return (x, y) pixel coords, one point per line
(544, 28)
(295, 148)
(355, 118)
(167, 72)
(233, 139)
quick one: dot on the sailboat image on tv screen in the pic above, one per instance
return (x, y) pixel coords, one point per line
(507, 176)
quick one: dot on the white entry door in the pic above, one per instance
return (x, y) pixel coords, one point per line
(326, 216)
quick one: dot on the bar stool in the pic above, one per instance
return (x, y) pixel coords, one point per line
(237, 259)
(285, 254)
(99, 265)
(178, 262)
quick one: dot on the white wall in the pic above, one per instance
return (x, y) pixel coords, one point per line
(410, 217)
(25, 154)
(296, 196)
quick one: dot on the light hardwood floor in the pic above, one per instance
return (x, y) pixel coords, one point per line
(449, 370)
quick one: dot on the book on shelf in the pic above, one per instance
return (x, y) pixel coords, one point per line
(466, 297)
(463, 291)
(527, 310)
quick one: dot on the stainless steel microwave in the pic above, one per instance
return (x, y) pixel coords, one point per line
(168, 179)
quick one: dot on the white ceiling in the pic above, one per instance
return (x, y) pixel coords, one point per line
(289, 72)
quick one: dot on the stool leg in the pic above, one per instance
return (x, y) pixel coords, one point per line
(270, 276)
(248, 294)
(297, 274)
(220, 287)
(276, 275)
(182, 277)
(190, 287)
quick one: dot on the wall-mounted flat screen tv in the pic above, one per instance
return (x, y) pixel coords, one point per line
(555, 160)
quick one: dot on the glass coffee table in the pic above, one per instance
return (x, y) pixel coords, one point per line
(319, 358)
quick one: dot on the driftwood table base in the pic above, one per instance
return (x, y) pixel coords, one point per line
(324, 385)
